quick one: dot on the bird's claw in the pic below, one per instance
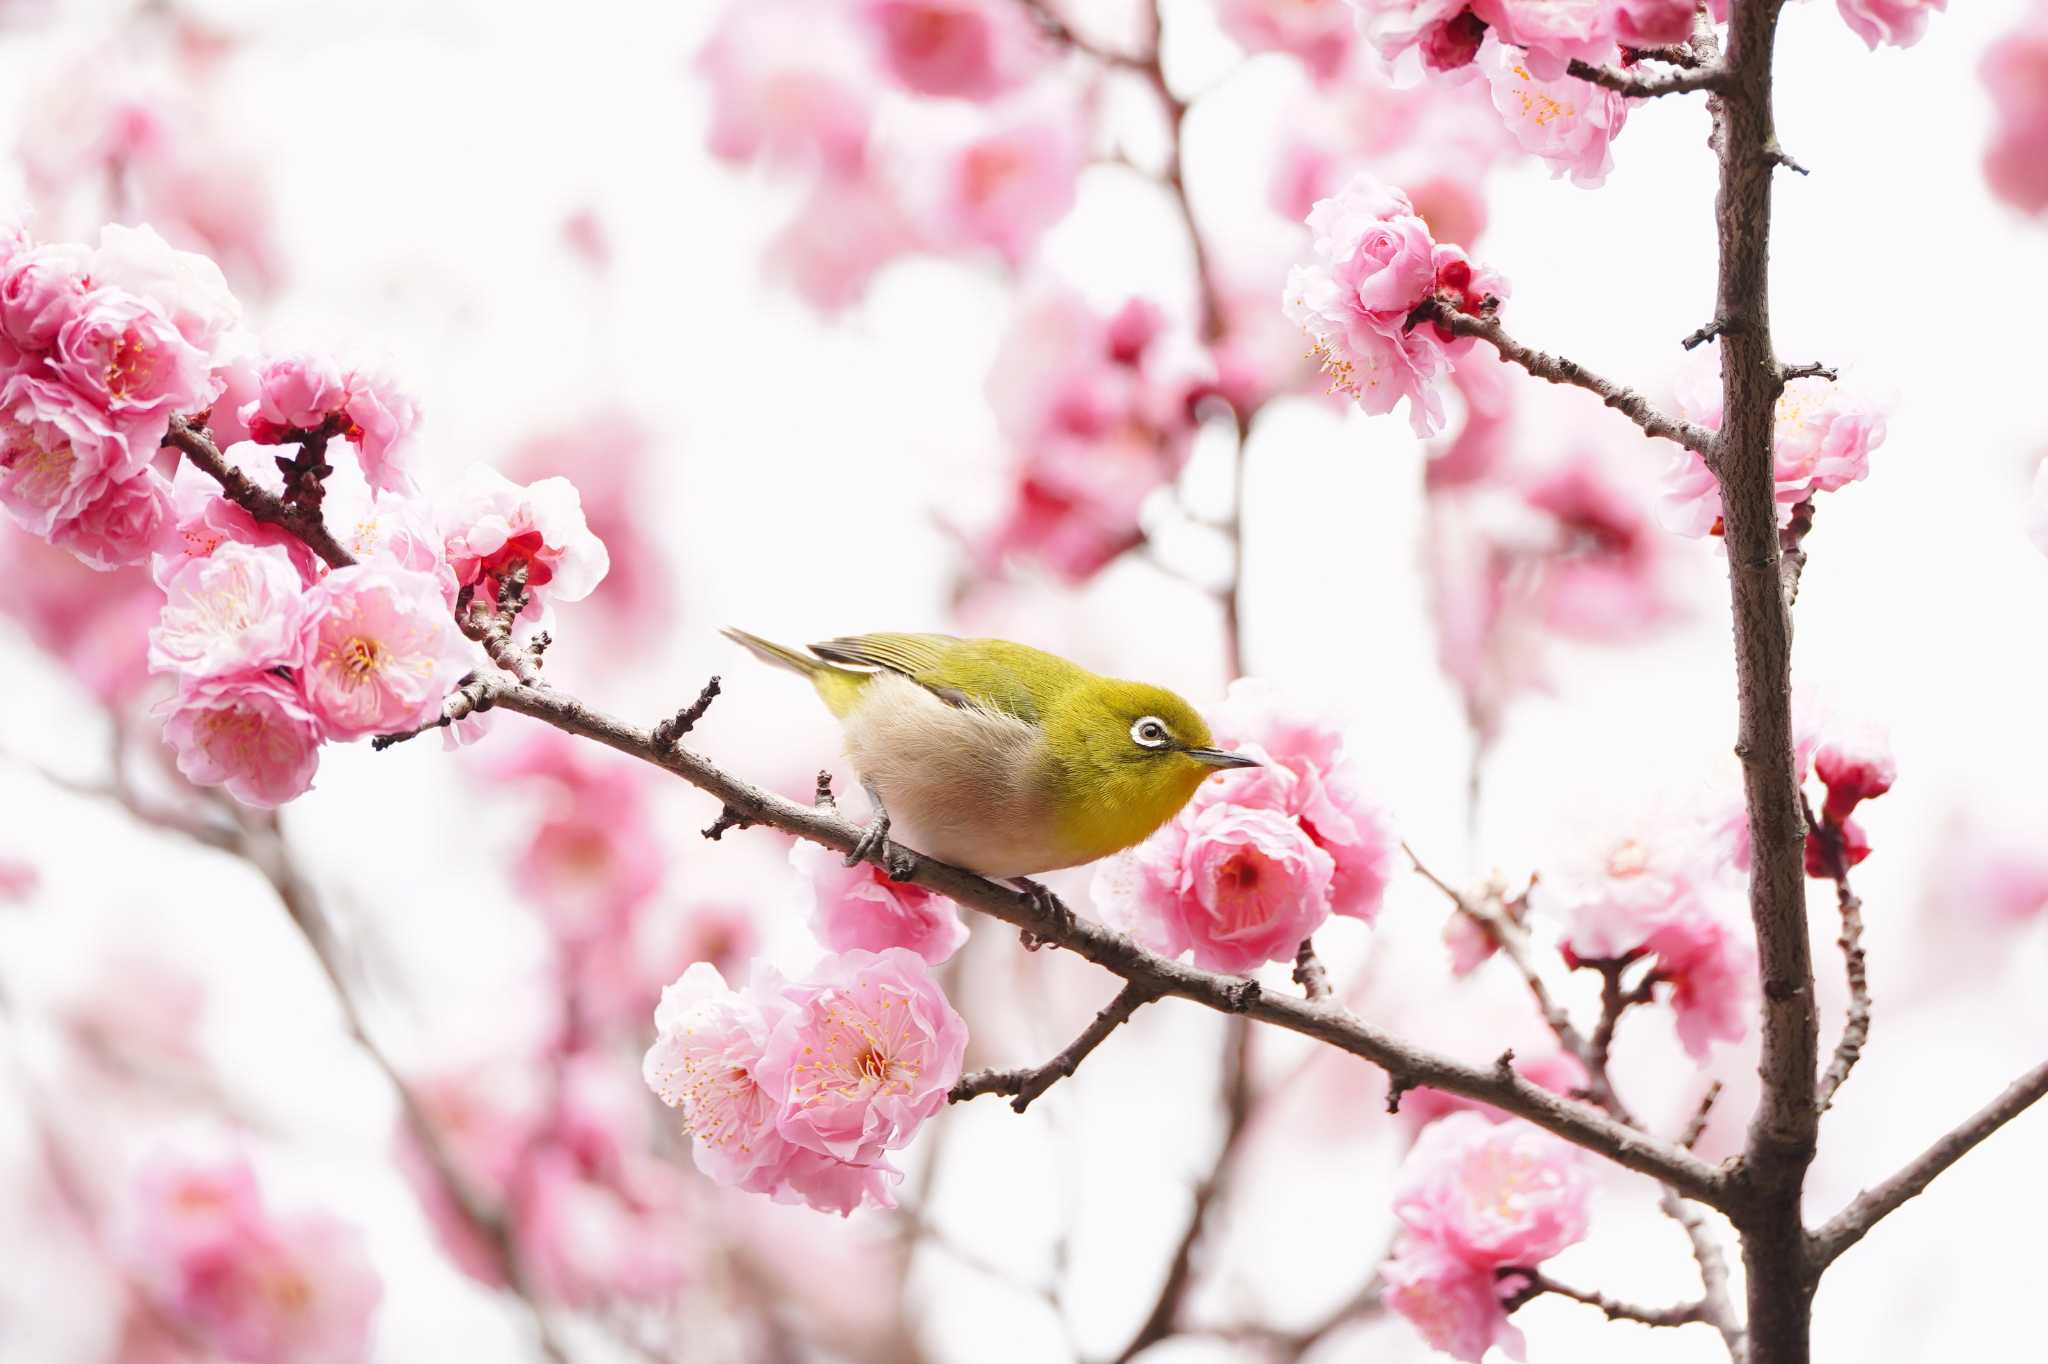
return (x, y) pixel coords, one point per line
(1059, 919)
(873, 839)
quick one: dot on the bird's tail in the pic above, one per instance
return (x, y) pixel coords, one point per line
(839, 687)
(803, 664)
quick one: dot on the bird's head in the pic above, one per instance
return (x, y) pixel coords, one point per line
(1142, 742)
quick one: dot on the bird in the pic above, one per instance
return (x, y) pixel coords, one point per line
(998, 757)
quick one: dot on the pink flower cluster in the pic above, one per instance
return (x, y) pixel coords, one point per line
(1822, 441)
(1476, 1199)
(1099, 408)
(99, 349)
(1261, 857)
(1659, 899)
(859, 908)
(2015, 72)
(1373, 263)
(593, 1218)
(245, 1282)
(800, 1090)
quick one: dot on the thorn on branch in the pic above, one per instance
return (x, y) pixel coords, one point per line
(824, 799)
(1240, 995)
(728, 818)
(1812, 371)
(1397, 1086)
(1779, 157)
(1718, 327)
(669, 732)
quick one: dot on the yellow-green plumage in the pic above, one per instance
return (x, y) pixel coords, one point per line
(1003, 758)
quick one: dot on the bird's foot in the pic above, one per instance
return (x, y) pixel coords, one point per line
(895, 860)
(1059, 918)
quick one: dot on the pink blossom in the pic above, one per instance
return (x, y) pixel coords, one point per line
(490, 523)
(1653, 23)
(186, 287)
(202, 519)
(297, 391)
(2015, 72)
(250, 1284)
(863, 1056)
(59, 452)
(592, 1240)
(860, 907)
(1855, 764)
(253, 735)
(968, 49)
(1493, 1194)
(92, 622)
(389, 527)
(707, 1060)
(593, 863)
(238, 610)
(1551, 33)
(121, 527)
(1394, 26)
(381, 418)
(1239, 886)
(1073, 506)
(1309, 775)
(40, 290)
(18, 880)
(381, 651)
(832, 247)
(1898, 22)
(1602, 578)
(1317, 31)
(1373, 261)
(1454, 1305)
(123, 353)
(788, 84)
(1008, 182)
(1568, 122)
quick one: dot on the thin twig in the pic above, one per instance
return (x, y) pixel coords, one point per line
(1874, 1204)
(1650, 84)
(1856, 1026)
(196, 444)
(1558, 370)
(670, 732)
(1028, 1082)
(1310, 973)
(1697, 1128)
(1538, 1284)
(1717, 1303)
(1813, 370)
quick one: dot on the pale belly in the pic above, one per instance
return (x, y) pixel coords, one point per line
(961, 785)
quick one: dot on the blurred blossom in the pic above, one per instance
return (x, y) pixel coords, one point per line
(1897, 22)
(1004, 184)
(2015, 72)
(251, 1284)
(1319, 32)
(610, 456)
(860, 907)
(18, 879)
(95, 623)
(966, 49)
(1993, 870)
(788, 84)
(1454, 1306)
(848, 230)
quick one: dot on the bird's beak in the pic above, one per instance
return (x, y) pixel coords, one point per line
(1218, 757)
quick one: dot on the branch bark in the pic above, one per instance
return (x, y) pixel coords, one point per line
(195, 444)
(1028, 1082)
(1872, 1205)
(1650, 84)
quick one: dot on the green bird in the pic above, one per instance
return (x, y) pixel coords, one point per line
(1001, 758)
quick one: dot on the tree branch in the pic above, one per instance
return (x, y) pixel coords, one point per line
(1856, 1027)
(1650, 84)
(1310, 973)
(1028, 1082)
(1539, 1283)
(1558, 370)
(1874, 1204)
(1717, 1303)
(195, 444)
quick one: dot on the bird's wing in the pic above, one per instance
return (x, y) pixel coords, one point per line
(992, 675)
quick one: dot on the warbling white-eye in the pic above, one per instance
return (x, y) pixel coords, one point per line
(1001, 758)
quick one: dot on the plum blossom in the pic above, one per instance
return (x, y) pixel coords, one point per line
(239, 610)
(708, 1061)
(1455, 1306)
(2015, 72)
(381, 417)
(1493, 1194)
(40, 289)
(832, 247)
(1317, 31)
(381, 650)
(188, 287)
(1440, 28)
(1308, 775)
(121, 527)
(594, 861)
(93, 622)
(121, 352)
(1373, 263)
(1549, 34)
(489, 523)
(1238, 886)
(297, 390)
(789, 84)
(1005, 183)
(860, 907)
(59, 452)
(1855, 764)
(1898, 22)
(1568, 122)
(966, 49)
(1655, 23)
(1823, 434)
(251, 1284)
(863, 1056)
(18, 880)
(252, 734)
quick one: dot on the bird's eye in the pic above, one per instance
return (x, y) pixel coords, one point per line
(1149, 733)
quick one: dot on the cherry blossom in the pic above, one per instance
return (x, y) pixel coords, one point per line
(187, 287)
(1855, 763)
(860, 907)
(1436, 26)
(381, 651)
(381, 419)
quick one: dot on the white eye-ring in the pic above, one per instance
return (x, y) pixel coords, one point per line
(1150, 732)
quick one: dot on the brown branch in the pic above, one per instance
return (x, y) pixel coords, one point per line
(670, 732)
(194, 443)
(1558, 370)
(1697, 1128)
(1717, 1302)
(1874, 1204)
(1650, 84)
(1028, 1082)
(1855, 1027)
(1811, 370)
(1539, 1284)
(1310, 973)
